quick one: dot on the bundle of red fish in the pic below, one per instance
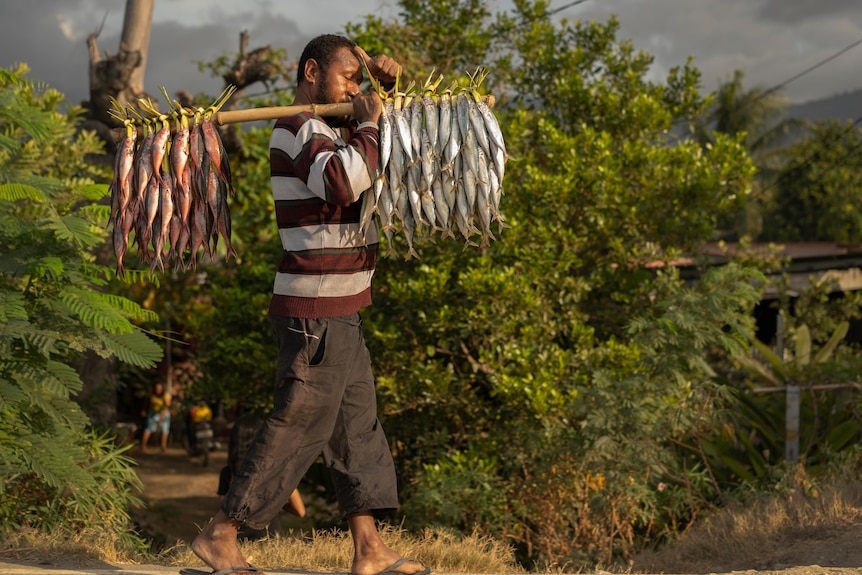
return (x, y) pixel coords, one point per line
(170, 186)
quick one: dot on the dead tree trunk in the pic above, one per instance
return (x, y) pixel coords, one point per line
(121, 76)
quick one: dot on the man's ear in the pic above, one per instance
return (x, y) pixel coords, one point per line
(310, 72)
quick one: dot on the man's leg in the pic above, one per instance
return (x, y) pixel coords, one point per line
(361, 466)
(370, 554)
(295, 504)
(283, 448)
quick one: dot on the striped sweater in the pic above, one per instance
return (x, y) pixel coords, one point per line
(318, 174)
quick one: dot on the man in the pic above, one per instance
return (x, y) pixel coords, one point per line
(324, 397)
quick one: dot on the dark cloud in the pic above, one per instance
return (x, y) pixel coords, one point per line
(798, 11)
(37, 38)
(34, 36)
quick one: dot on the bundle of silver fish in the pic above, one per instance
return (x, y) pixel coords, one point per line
(442, 160)
(171, 188)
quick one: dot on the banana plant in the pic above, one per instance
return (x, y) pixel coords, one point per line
(795, 374)
(784, 372)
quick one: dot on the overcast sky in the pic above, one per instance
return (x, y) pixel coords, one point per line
(770, 40)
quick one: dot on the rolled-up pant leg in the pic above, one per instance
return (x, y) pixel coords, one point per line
(358, 454)
(324, 401)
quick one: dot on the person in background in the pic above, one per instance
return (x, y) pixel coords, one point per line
(158, 417)
(325, 398)
(198, 413)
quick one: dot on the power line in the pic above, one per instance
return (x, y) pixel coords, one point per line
(811, 68)
(569, 5)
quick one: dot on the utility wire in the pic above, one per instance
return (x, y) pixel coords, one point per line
(569, 5)
(812, 68)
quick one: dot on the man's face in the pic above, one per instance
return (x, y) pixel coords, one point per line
(339, 83)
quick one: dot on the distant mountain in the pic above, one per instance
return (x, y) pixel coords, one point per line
(845, 106)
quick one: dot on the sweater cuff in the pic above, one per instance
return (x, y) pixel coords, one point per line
(367, 125)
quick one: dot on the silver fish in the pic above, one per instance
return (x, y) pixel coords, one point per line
(477, 122)
(402, 130)
(385, 140)
(462, 113)
(483, 198)
(444, 123)
(414, 193)
(470, 152)
(409, 226)
(432, 117)
(416, 126)
(366, 212)
(442, 207)
(492, 126)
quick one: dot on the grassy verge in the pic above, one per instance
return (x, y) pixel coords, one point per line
(315, 551)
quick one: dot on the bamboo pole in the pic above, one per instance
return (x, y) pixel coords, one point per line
(276, 112)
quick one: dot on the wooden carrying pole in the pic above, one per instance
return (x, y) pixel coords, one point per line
(276, 112)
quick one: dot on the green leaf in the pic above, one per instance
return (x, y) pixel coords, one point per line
(14, 192)
(803, 346)
(843, 433)
(770, 356)
(826, 351)
(134, 348)
(757, 368)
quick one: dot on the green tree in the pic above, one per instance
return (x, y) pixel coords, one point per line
(55, 472)
(815, 197)
(758, 115)
(555, 367)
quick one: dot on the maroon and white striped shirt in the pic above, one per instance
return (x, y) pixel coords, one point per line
(318, 174)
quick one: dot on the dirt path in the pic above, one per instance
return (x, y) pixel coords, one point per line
(180, 492)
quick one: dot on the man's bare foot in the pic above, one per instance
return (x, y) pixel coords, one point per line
(371, 556)
(216, 545)
(398, 566)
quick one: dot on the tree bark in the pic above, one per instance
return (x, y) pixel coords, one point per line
(121, 76)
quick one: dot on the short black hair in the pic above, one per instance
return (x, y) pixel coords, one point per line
(322, 49)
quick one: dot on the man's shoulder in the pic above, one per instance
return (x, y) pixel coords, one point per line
(294, 120)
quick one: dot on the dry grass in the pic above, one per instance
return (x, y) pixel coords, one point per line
(79, 549)
(319, 551)
(762, 532)
(333, 551)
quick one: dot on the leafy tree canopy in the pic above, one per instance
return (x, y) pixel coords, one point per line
(54, 472)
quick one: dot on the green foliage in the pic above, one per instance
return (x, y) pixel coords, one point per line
(828, 417)
(54, 473)
(815, 197)
(555, 352)
(451, 36)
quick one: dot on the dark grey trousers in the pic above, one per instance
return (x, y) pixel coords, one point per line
(325, 401)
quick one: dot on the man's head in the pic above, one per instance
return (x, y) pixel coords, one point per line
(329, 69)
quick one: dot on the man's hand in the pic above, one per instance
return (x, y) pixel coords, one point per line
(367, 107)
(381, 67)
